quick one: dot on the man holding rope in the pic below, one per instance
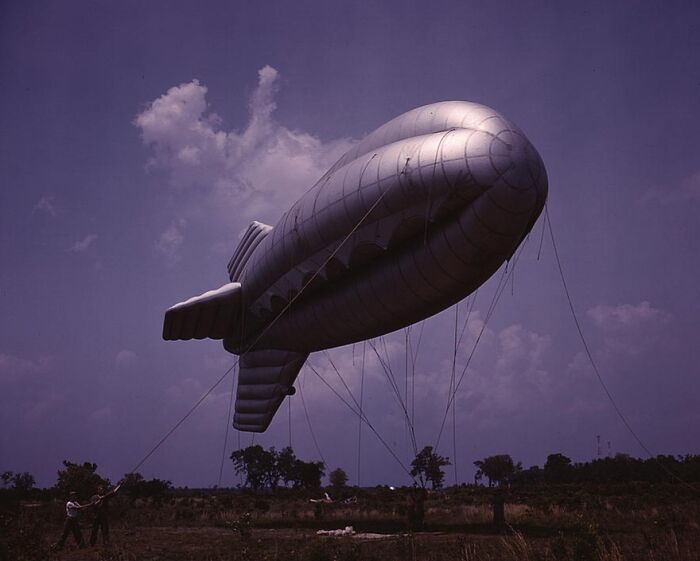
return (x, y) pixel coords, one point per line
(71, 525)
(100, 502)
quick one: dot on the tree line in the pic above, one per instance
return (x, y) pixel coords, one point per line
(270, 469)
(621, 468)
(83, 479)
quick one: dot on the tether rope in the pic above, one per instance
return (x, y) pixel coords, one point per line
(264, 331)
(471, 301)
(413, 371)
(608, 393)
(311, 428)
(502, 283)
(362, 417)
(407, 334)
(347, 388)
(289, 420)
(239, 447)
(183, 419)
(392, 382)
(403, 402)
(359, 420)
(454, 404)
(228, 424)
(451, 395)
(342, 380)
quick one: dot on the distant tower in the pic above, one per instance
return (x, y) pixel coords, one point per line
(597, 437)
(609, 451)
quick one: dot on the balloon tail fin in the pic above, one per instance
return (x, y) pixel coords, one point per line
(210, 315)
(255, 234)
(266, 377)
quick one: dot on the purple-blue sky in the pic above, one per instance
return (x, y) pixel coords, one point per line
(139, 139)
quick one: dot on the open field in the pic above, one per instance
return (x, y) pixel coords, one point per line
(645, 522)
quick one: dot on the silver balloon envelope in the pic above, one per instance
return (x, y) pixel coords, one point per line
(410, 221)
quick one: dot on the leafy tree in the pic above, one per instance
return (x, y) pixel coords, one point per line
(338, 478)
(557, 468)
(134, 485)
(530, 476)
(258, 465)
(23, 482)
(81, 478)
(6, 478)
(273, 474)
(498, 469)
(308, 474)
(131, 480)
(17, 485)
(265, 468)
(427, 466)
(286, 465)
(616, 469)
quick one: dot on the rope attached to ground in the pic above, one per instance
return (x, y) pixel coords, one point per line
(599, 377)
(264, 331)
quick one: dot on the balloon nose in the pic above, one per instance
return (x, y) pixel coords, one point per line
(515, 160)
(503, 163)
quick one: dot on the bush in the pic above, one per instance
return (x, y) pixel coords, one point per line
(81, 478)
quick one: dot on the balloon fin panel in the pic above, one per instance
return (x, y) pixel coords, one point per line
(265, 378)
(255, 233)
(211, 315)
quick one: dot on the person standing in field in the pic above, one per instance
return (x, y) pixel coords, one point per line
(100, 502)
(72, 523)
(415, 510)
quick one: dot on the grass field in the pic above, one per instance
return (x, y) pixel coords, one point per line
(630, 522)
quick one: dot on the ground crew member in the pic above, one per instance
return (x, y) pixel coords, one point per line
(71, 524)
(100, 501)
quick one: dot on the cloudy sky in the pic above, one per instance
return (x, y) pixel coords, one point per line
(138, 141)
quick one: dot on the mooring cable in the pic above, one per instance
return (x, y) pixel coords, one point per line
(502, 283)
(599, 377)
(183, 419)
(228, 424)
(363, 418)
(264, 331)
(311, 428)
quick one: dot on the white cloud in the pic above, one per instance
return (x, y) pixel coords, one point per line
(125, 358)
(629, 329)
(189, 390)
(84, 244)
(687, 190)
(101, 414)
(47, 205)
(521, 347)
(47, 405)
(509, 375)
(221, 362)
(258, 172)
(690, 187)
(611, 318)
(12, 366)
(169, 242)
